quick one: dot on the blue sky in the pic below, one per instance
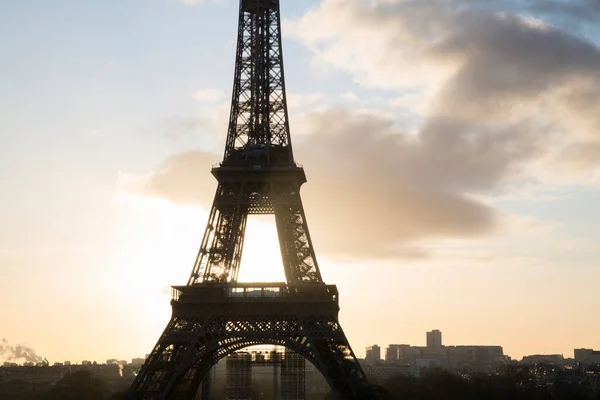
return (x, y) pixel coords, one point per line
(99, 98)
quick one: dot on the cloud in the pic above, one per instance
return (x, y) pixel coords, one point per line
(501, 98)
(483, 69)
(182, 178)
(371, 191)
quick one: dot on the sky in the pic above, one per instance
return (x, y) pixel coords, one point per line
(452, 150)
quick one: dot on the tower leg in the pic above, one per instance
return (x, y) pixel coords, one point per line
(190, 347)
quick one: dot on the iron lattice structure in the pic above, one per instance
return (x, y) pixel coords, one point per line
(214, 315)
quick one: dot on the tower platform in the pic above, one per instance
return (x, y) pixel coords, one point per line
(267, 299)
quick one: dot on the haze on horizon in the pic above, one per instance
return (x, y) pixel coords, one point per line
(452, 151)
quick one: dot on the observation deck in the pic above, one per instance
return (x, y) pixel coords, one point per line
(259, 163)
(258, 173)
(255, 298)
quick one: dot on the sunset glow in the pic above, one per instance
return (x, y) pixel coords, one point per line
(452, 151)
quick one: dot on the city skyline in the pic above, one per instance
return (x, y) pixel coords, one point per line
(483, 227)
(12, 353)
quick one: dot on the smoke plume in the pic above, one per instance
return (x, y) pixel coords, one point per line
(18, 352)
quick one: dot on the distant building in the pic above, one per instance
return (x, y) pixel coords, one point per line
(67, 363)
(434, 338)
(391, 352)
(436, 354)
(587, 356)
(373, 354)
(138, 361)
(86, 362)
(39, 377)
(543, 358)
(8, 364)
(452, 357)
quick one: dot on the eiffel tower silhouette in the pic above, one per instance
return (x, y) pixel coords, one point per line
(214, 315)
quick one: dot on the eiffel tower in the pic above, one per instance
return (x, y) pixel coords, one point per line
(214, 315)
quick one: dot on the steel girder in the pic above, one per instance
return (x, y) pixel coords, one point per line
(220, 253)
(190, 346)
(259, 106)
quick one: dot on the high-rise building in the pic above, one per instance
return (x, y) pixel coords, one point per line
(373, 354)
(434, 338)
(391, 353)
(587, 356)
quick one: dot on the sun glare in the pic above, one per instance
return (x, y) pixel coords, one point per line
(162, 243)
(165, 240)
(261, 258)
